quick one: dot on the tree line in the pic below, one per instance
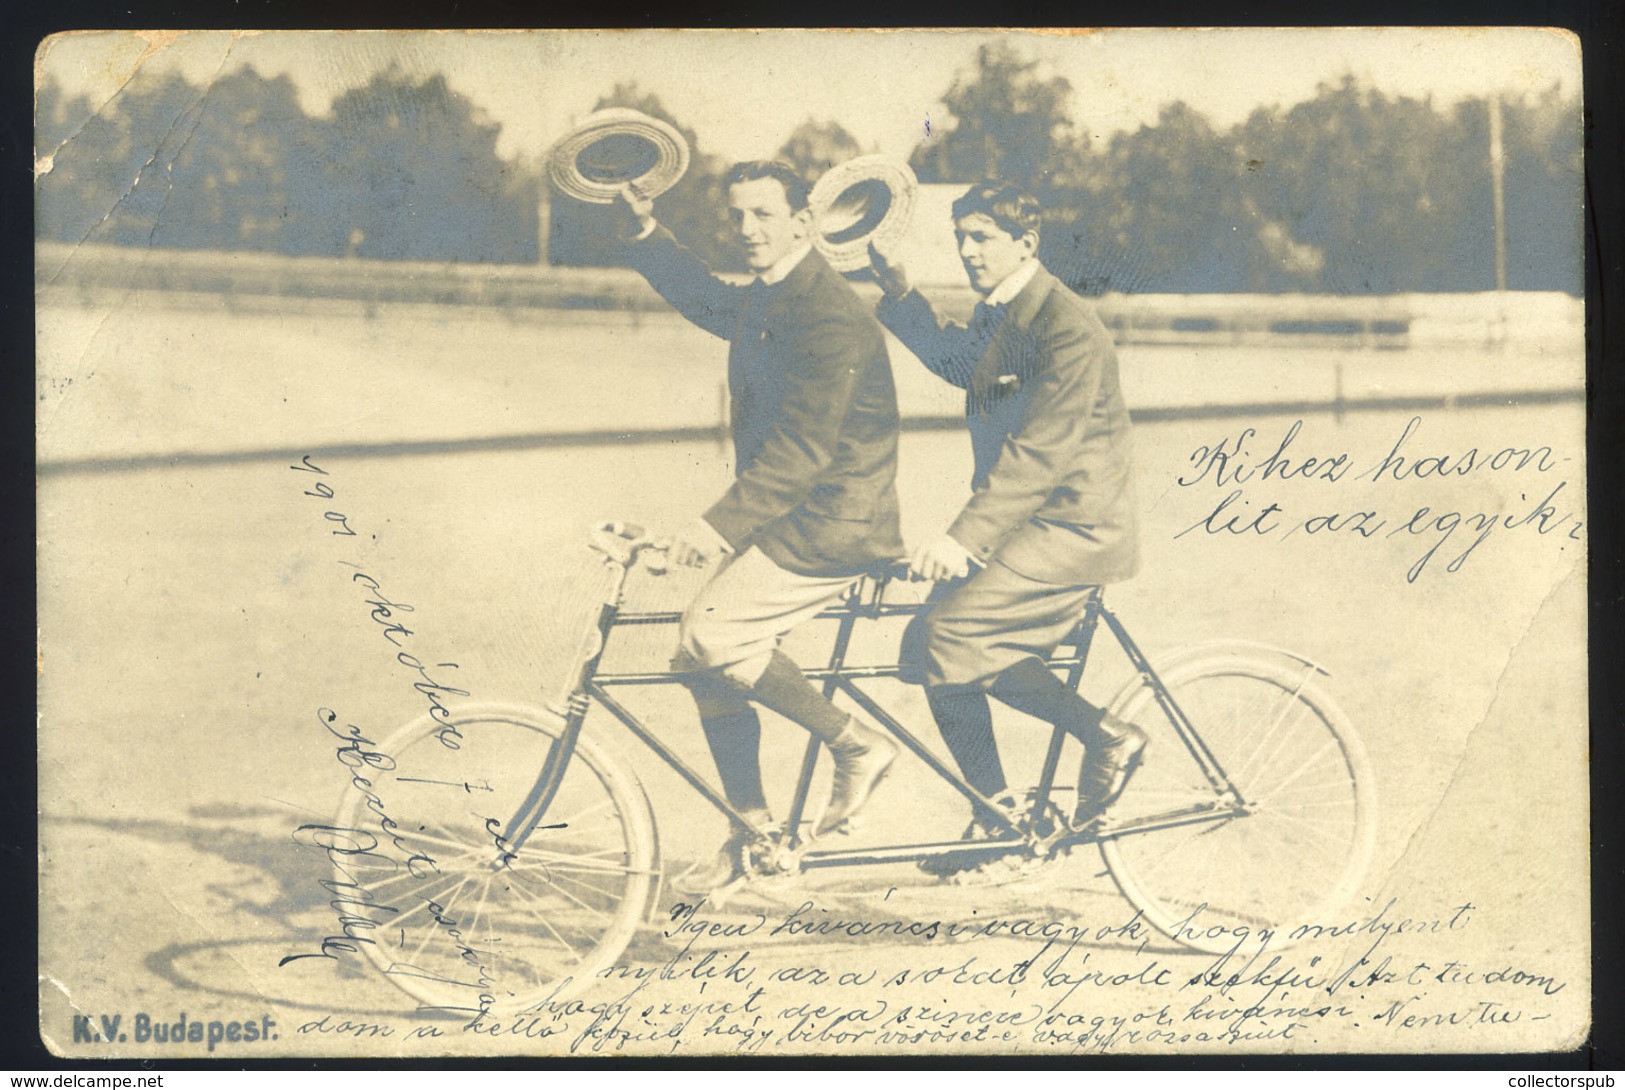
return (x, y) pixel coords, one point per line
(400, 168)
(1350, 192)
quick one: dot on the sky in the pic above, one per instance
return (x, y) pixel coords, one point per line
(744, 91)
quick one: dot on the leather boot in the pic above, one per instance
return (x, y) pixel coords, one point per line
(728, 865)
(1107, 765)
(862, 759)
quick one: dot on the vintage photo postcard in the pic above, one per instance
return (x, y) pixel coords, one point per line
(706, 543)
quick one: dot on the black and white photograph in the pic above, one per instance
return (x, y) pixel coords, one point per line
(784, 543)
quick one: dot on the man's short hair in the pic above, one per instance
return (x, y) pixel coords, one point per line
(1015, 210)
(795, 187)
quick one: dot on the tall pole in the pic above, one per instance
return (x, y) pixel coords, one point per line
(1498, 193)
(1498, 188)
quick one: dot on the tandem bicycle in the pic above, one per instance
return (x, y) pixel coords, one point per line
(534, 855)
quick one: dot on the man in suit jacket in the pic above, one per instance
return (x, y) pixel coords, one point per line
(814, 499)
(1052, 514)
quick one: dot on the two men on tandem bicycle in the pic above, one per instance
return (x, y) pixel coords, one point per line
(1258, 811)
(814, 502)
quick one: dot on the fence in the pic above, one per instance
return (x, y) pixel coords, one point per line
(1489, 319)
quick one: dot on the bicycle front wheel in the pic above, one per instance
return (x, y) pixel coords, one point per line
(465, 919)
(1283, 838)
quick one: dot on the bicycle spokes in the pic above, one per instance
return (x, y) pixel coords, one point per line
(492, 924)
(1282, 838)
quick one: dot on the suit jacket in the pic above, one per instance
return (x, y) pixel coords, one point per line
(812, 407)
(1052, 495)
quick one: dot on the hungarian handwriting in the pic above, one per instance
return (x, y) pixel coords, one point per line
(388, 615)
(377, 845)
(1250, 502)
(733, 984)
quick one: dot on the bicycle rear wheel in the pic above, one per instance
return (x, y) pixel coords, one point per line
(1293, 842)
(468, 924)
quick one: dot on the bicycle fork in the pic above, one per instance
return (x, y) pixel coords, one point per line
(546, 787)
(551, 777)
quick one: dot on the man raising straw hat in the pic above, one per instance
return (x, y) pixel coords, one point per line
(814, 500)
(1051, 514)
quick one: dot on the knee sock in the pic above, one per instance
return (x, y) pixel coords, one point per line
(1029, 687)
(785, 689)
(736, 744)
(966, 724)
(734, 735)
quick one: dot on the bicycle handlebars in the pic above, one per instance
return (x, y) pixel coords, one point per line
(625, 543)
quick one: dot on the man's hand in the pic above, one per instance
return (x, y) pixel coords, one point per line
(889, 274)
(640, 208)
(696, 545)
(940, 557)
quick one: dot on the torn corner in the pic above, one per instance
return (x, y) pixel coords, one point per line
(45, 1037)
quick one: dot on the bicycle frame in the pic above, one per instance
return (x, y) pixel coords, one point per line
(864, 602)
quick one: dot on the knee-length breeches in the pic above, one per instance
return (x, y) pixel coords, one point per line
(737, 620)
(980, 626)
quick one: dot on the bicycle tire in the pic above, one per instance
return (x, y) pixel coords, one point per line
(1301, 849)
(486, 931)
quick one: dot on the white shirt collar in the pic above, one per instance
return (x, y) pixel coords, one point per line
(1010, 287)
(785, 265)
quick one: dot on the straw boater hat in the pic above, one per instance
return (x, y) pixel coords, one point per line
(865, 200)
(616, 147)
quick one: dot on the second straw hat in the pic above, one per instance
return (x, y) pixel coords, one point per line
(616, 147)
(865, 200)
